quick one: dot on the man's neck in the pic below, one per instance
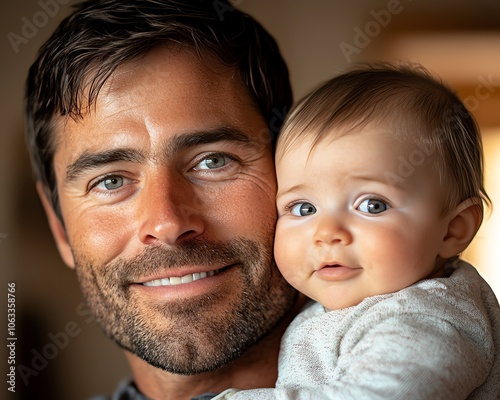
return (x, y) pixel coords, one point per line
(256, 368)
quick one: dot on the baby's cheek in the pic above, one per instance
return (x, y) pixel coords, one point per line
(290, 252)
(281, 258)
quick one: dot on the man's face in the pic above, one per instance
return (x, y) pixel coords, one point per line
(167, 194)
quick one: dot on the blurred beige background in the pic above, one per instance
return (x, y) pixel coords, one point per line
(457, 39)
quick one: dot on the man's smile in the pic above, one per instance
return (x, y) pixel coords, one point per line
(179, 280)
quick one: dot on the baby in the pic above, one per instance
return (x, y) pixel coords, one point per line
(380, 187)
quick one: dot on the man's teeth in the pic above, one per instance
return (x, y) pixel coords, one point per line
(175, 280)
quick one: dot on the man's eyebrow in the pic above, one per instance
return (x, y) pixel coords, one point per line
(220, 134)
(88, 161)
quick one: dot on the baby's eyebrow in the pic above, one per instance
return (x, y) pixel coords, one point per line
(286, 190)
(90, 160)
(383, 180)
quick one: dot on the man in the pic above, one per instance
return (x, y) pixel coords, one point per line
(151, 127)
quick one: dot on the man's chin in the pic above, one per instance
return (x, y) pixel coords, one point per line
(197, 327)
(194, 341)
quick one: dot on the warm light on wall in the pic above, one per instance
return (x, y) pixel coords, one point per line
(456, 56)
(484, 252)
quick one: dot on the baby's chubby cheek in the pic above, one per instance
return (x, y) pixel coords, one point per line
(287, 263)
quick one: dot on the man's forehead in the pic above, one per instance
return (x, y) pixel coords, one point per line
(162, 72)
(170, 67)
(173, 67)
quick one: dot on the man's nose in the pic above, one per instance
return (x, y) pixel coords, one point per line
(331, 230)
(170, 211)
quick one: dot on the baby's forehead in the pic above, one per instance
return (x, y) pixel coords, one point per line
(408, 133)
(368, 159)
(391, 150)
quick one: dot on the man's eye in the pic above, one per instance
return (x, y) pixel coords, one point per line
(110, 183)
(213, 161)
(303, 209)
(373, 206)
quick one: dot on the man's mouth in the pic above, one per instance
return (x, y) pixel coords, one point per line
(180, 280)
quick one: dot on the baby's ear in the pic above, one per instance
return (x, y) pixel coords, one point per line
(57, 228)
(464, 221)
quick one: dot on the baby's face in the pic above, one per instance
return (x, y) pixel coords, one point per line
(359, 215)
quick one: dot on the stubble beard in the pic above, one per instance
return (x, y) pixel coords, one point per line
(189, 336)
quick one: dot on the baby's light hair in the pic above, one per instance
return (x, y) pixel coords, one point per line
(412, 103)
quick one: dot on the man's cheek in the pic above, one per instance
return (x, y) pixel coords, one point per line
(100, 237)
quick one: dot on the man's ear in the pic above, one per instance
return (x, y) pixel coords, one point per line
(464, 221)
(57, 228)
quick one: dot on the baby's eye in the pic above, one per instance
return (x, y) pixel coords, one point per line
(373, 206)
(302, 209)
